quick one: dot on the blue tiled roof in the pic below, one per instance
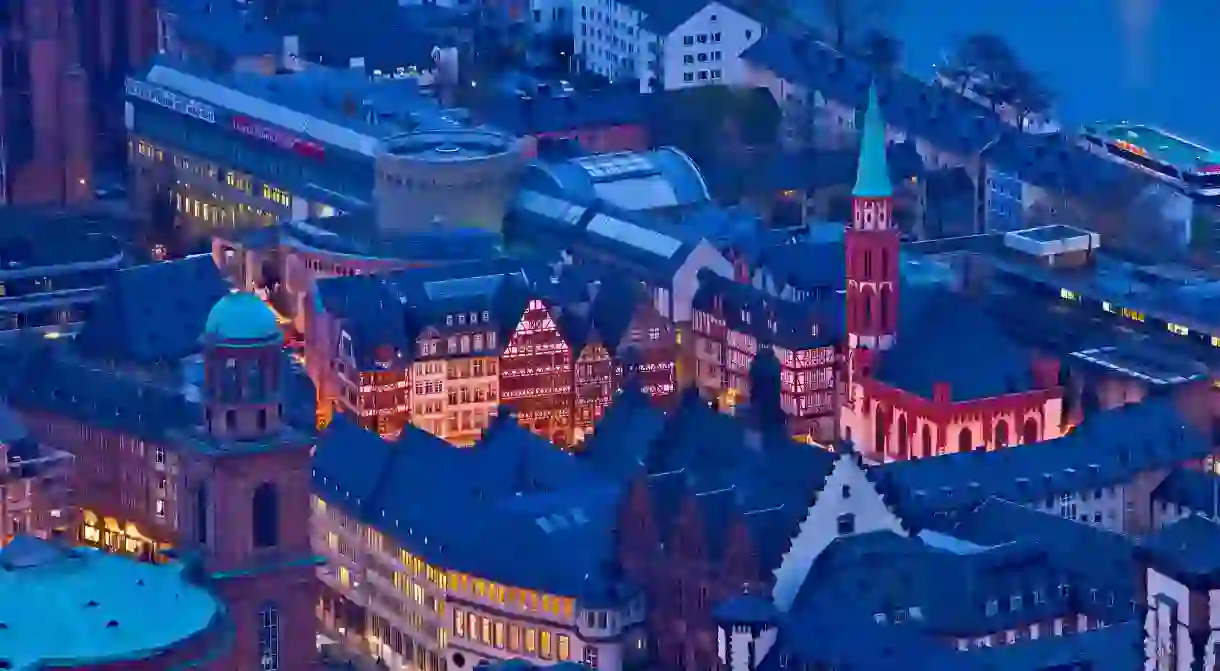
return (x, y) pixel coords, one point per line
(944, 338)
(532, 515)
(1187, 550)
(1106, 449)
(137, 319)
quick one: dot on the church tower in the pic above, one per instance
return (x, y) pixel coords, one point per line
(871, 243)
(248, 483)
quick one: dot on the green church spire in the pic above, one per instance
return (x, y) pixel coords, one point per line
(872, 172)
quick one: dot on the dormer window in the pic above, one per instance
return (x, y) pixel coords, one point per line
(993, 607)
(847, 524)
(449, 320)
(1014, 604)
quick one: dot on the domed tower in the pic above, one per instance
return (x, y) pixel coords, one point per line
(247, 485)
(242, 377)
(746, 628)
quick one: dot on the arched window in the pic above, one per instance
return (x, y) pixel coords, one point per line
(269, 638)
(1001, 433)
(926, 439)
(883, 313)
(868, 306)
(885, 258)
(201, 514)
(265, 508)
(904, 441)
(879, 438)
(1029, 431)
(965, 441)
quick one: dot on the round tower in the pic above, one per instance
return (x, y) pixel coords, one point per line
(746, 627)
(242, 378)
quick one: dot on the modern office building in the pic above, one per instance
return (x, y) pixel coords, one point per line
(249, 149)
(53, 267)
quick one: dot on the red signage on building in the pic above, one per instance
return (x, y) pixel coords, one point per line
(1210, 169)
(281, 138)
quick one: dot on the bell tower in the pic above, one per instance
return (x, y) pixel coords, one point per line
(871, 243)
(248, 488)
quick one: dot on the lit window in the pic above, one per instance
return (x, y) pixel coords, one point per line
(1178, 329)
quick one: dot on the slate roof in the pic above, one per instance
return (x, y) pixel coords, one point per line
(1190, 489)
(662, 17)
(1187, 550)
(533, 516)
(788, 324)
(943, 118)
(541, 113)
(1106, 449)
(139, 319)
(945, 338)
(718, 462)
(1097, 565)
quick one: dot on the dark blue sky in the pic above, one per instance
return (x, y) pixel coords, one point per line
(1082, 47)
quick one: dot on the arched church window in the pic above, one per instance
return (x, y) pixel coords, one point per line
(879, 438)
(904, 440)
(1001, 433)
(269, 638)
(265, 511)
(1029, 431)
(885, 303)
(926, 439)
(868, 306)
(965, 441)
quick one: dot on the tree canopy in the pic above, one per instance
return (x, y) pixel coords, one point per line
(987, 65)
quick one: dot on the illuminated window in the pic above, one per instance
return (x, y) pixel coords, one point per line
(1105, 305)
(565, 651)
(1178, 329)
(500, 635)
(545, 647)
(1133, 314)
(345, 577)
(1068, 295)
(531, 640)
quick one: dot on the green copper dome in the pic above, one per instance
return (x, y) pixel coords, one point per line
(241, 316)
(873, 172)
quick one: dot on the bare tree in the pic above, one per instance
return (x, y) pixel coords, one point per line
(849, 19)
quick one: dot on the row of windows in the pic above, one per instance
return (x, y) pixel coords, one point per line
(496, 633)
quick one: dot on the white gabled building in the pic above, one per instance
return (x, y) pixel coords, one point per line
(665, 44)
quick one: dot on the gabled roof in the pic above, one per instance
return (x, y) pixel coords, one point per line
(1187, 550)
(1106, 449)
(789, 324)
(662, 17)
(944, 338)
(138, 319)
(531, 515)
